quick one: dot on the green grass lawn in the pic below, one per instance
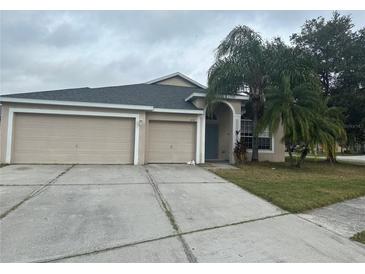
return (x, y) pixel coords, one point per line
(316, 184)
(360, 237)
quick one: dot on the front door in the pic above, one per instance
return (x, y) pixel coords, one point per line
(211, 140)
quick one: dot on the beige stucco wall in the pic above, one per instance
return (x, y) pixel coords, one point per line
(277, 155)
(224, 117)
(176, 81)
(236, 104)
(228, 112)
(170, 117)
(200, 103)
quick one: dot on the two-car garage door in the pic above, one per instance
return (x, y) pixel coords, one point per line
(40, 138)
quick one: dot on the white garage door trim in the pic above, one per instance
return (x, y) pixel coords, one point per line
(199, 139)
(72, 113)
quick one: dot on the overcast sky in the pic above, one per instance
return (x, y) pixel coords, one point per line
(54, 50)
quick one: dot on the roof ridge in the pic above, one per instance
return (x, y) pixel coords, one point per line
(179, 74)
(41, 91)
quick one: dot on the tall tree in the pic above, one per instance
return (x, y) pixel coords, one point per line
(295, 100)
(241, 66)
(349, 92)
(327, 42)
(338, 56)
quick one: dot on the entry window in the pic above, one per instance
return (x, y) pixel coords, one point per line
(265, 140)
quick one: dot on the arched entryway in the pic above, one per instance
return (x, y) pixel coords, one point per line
(219, 133)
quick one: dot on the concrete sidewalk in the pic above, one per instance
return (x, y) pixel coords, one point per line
(346, 218)
(153, 213)
(349, 159)
(356, 159)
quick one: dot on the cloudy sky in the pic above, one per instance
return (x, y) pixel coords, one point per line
(54, 50)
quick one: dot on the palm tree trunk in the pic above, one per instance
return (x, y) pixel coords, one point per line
(331, 153)
(255, 145)
(304, 154)
(291, 160)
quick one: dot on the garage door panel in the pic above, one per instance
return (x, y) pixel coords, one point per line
(171, 142)
(40, 138)
(68, 158)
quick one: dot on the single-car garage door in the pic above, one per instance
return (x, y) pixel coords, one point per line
(43, 138)
(171, 142)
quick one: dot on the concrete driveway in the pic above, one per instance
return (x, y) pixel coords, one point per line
(153, 213)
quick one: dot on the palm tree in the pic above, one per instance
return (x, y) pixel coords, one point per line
(295, 107)
(240, 66)
(304, 114)
(328, 129)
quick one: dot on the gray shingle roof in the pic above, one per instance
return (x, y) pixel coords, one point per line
(158, 96)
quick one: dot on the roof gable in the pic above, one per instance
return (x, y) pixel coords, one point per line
(176, 79)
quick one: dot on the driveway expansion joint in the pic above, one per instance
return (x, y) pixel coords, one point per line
(108, 184)
(236, 223)
(190, 183)
(18, 185)
(166, 208)
(35, 193)
(55, 259)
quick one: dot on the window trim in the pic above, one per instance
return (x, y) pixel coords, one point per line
(263, 151)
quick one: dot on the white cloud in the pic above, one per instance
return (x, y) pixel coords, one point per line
(53, 50)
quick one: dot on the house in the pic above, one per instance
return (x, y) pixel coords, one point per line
(161, 121)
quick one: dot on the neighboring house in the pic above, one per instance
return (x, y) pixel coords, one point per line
(161, 121)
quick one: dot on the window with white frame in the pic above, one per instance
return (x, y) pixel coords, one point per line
(264, 140)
